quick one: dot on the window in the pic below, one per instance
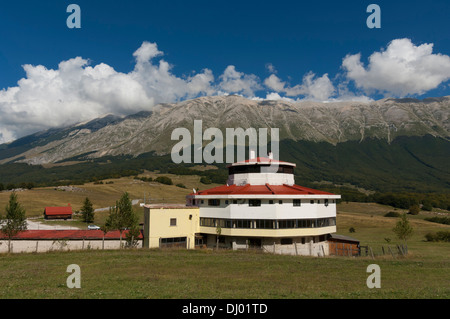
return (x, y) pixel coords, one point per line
(280, 202)
(326, 202)
(286, 241)
(173, 222)
(297, 202)
(270, 201)
(213, 202)
(234, 201)
(208, 222)
(173, 242)
(287, 223)
(264, 223)
(243, 223)
(254, 202)
(311, 201)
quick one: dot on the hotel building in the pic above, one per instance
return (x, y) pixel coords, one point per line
(257, 208)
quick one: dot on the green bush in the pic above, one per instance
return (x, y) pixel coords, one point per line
(439, 236)
(205, 180)
(414, 210)
(392, 214)
(440, 220)
(164, 180)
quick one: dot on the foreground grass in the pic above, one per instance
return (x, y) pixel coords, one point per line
(243, 274)
(216, 274)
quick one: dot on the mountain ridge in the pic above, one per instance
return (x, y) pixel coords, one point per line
(150, 131)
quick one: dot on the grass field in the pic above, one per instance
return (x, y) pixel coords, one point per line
(217, 274)
(211, 274)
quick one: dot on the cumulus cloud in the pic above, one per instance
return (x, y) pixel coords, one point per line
(76, 91)
(233, 81)
(312, 87)
(402, 69)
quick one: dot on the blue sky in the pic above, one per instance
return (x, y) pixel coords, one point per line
(290, 49)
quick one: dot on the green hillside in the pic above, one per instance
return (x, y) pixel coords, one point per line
(408, 164)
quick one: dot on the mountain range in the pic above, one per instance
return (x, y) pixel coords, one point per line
(378, 138)
(333, 122)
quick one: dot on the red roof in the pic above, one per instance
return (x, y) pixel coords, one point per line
(67, 234)
(66, 210)
(261, 160)
(261, 190)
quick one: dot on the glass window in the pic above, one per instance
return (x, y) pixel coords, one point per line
(297, 202)
(213, 202)
(254, 202)
(173, 222)
(243, 223)
(286, 241)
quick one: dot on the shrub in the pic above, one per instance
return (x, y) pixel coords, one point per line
(414, 210)
(439, 236)
(181, 185)
(351, 230)
(392, 214)
(440, 220)
(164, 180)
(205, 180)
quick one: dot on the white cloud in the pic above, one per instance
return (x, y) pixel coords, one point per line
(270, 68)
(402, 69)
(312, 87)
(233, 81)
(76, 92)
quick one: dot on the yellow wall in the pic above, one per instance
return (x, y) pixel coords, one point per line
(250, 232)
(157, 224)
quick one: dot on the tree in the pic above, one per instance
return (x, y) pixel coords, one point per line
(15, 219)
(132, 236)
(403, 229)
(414, 210)
(105, 228)
(122, 216)
(87, 211)
(218, 232)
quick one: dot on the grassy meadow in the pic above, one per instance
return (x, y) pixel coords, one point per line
(142, 273)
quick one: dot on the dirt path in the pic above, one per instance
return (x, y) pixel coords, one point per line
(36, 225)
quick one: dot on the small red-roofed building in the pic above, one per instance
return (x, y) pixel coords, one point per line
(64, 212)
